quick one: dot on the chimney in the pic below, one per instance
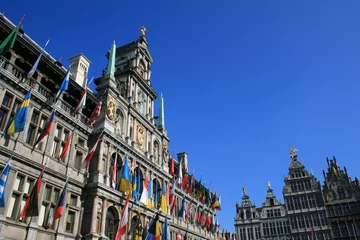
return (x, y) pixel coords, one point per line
(183, 158)
(79, 68)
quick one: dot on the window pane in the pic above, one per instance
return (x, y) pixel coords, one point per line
(18, 183)
(73, 199)
(34, 117)
(16, 105)
(42, 215)
(27, 186)
(7, 100)
(47, 193)
(43, 121)
(11, 206)
(55, 195)
(29, 135)
(65, 135)
(70, 221)
(58, 131)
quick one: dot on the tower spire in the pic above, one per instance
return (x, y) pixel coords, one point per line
(111, 64)
(161, 123)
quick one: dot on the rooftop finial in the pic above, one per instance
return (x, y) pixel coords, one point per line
(143, 31)
(293, 153)
(110, 71)
(244, 190)
(269, 185)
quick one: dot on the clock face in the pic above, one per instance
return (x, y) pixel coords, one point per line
(140, 135)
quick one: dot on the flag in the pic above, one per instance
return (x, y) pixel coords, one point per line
(197, 215)
(138, 228)
(172, 201)
(34, 67)
(125, 180)
(202, 218)
(145, 195)
(82, 100)
(182, 209)
(61, 204)
(3, 180)
(216, 202)
(65, 84)
(163, 203)
(188, 213)
(156, 200)
(123, 220)
(199, 190)
(95, 114)
(9, 41)
(19, 121)
(154, 229)
(66, 147)
(149, 204)
(190, 184)
(46, 131)
(185, 181)
(180, 174)
(172, 167)
(208, 220)
(85, 164)
(134, 184)
(186, 231)
(113, 178)
(178, 235)
(165, 235)
(31, 207)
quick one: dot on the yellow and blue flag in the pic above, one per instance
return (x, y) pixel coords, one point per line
(163, 205)
(125, 180)
(18, 123)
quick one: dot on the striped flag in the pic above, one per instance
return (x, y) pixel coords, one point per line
(81, 103)
(123, 220)
(178, 235)
(3, 180)
(34, 67)
(61, 204)
(18, 123)
(31, 207)
(172, 201)
(46, 131)
(65, 84)
(95, 114)
(66, 147)
(86, 162)
(113, 178)
(145, 195)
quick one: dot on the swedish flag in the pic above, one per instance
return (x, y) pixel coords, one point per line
(18, 123)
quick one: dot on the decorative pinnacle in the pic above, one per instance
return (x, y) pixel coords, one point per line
(293, 153)
(269, 185)
(244, 190)
(111, 64)
(143, 31)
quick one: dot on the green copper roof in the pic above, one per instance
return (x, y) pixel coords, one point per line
(161, 122)
(111, 64)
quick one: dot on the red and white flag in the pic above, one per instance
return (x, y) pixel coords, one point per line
(145, 193)
(172, 202)
(113, 179)
(86, 162)
(95, 114)
(66, 147)
(178, 235)
(81, 103)
(123, 220)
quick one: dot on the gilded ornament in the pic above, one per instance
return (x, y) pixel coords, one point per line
(110, 110)
(293, 152)
(140, 135)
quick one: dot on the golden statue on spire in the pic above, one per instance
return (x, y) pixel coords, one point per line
(293, 152)
(143, 31)
(269, 185)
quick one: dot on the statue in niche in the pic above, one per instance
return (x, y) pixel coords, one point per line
(156, 151)
(165, 152)
(119, 121)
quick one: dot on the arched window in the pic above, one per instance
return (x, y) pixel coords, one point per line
(248, 214)
(138, 177)
(136, 227)
(118, 158)
(111, 224)
(156, 192)
(142, 69)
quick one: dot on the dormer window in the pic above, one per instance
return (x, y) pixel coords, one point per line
(142, 69)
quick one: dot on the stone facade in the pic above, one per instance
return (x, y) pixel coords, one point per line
(128, 127)
(342, 200)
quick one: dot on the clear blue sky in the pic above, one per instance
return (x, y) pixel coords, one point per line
(243, 81)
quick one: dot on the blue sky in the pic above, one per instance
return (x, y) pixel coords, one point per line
(243, 81)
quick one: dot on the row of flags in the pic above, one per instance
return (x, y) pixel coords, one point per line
(131, 186)
(188, 184)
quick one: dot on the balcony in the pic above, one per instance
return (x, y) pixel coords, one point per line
(47, 97)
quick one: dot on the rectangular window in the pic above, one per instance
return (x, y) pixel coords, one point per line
(70, 221)
(73, 200)
(78, 159)
(50, 198)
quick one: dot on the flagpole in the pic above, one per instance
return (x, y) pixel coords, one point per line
(22, 18)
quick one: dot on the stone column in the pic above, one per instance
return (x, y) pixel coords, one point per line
(94, 215)
(108, 165)
(103, 218)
